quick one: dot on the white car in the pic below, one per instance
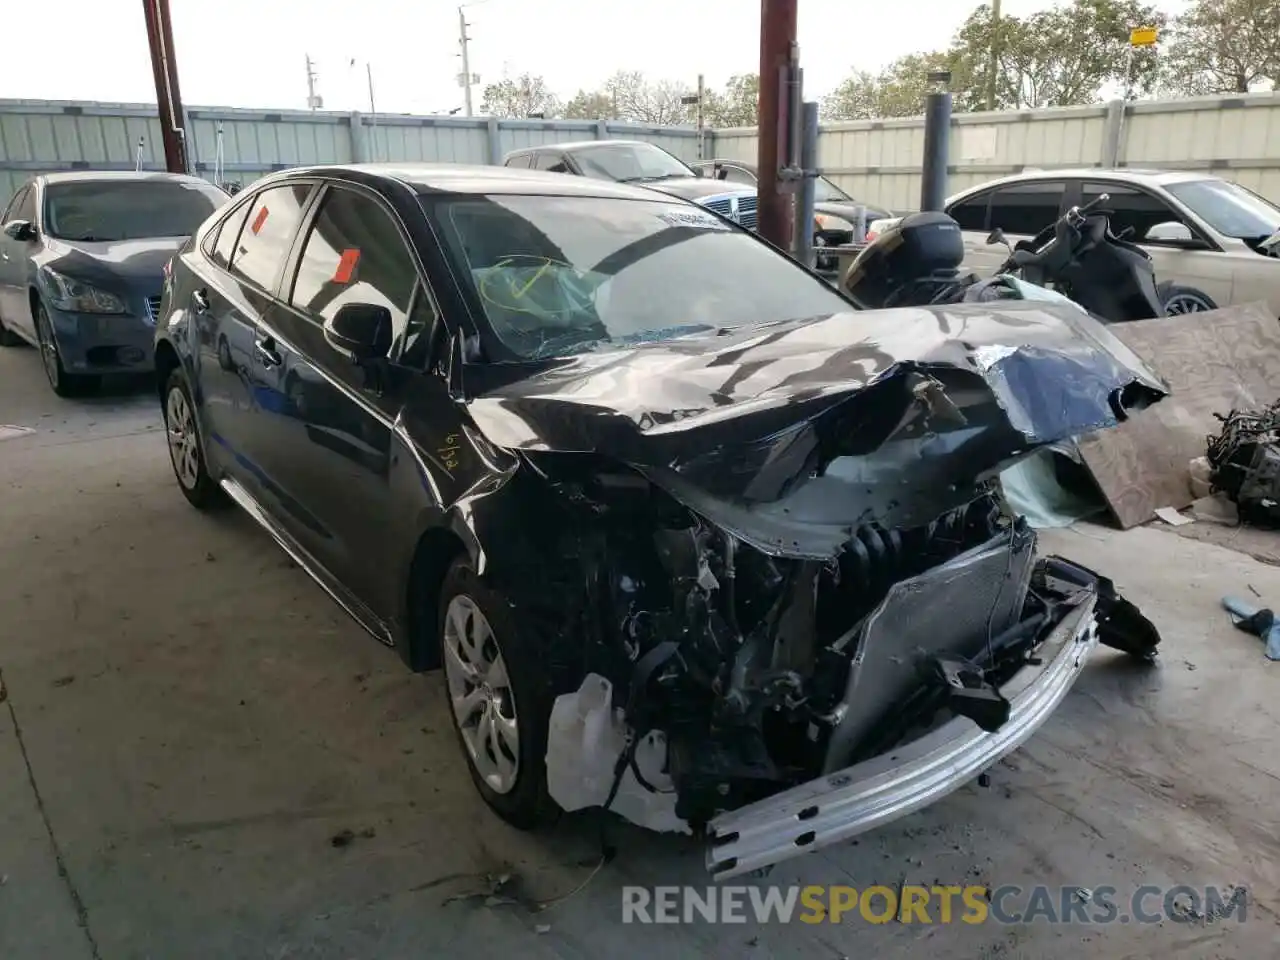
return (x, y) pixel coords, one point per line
(1205, 234)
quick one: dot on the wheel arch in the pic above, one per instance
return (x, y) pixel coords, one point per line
(434, 553)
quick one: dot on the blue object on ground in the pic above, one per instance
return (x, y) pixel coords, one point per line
(1261, 622)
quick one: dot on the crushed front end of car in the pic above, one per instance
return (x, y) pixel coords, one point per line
(804, 608)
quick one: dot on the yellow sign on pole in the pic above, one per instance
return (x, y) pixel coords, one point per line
(1142, 37)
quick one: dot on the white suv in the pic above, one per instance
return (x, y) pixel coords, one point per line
(1203, 233)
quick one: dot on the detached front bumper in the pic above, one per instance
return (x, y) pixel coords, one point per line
(848, 802)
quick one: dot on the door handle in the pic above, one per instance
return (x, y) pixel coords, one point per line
(200, 301)
(265, 349)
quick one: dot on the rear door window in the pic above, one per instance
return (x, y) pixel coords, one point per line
(1026, 208)
(552, 163)
(520, 160)
(228, 233)
(971, 213)
(273, 219)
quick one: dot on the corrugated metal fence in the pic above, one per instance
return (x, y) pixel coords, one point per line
(48, 135)
(875, 160)
(879, 160)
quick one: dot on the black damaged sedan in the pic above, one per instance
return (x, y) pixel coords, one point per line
(689, 537)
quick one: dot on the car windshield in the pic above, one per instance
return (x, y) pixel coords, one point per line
(626, 162)
(824, 191)
(561, 275)
(107, 210)
(1229, 208)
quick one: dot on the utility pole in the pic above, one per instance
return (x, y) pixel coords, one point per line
(164, 69)
(993, 55)
(463, 40)
(777, 47)
(373, 111)
(702, 96)
(313, 101)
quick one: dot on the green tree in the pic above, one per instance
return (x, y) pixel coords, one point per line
(589, 105)
(897, 91)
(525, 95)
(738, 105)
(1223, 46)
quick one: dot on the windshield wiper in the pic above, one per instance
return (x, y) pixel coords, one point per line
(655, 177)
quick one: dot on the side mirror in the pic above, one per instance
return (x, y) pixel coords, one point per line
(699, 172)
(20, 230)
(362, 330)
(1172, 231)
(997, 236)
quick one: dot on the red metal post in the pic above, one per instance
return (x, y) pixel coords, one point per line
(164, 68)
(777, 35)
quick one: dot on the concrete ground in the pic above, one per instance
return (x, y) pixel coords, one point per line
(188, 723)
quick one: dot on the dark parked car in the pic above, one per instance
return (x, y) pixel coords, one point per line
(687, 535)
(81, 257)
(835, 211)
(643, 163)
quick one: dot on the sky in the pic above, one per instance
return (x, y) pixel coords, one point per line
(252, 53)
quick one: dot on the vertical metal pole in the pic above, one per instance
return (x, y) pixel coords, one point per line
(777, 38)
(177, 115)
(311, 85)
(802, 246)
(993, 55)
(164, 71)
(373, 111)
(463, 40)
(937, 134)
(702, 90)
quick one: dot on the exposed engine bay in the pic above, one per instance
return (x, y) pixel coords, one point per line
(720, 675)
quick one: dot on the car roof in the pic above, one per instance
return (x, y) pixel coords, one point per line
(480, 179)
(92, 176)
(1143, 176)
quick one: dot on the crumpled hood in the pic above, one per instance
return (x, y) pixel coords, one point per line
(142, 259)
(900, 403)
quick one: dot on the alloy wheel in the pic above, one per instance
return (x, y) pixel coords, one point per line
(48, 349)
(184, 451)
(1185, 303)
(480, 693)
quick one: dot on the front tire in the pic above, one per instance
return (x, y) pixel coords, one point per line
(64, 384)
(499, 695)
(186, 452)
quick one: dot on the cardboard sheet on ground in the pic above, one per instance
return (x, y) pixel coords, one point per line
(1212, 361)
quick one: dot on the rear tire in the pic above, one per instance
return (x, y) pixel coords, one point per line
(499, 696)
(1177, 299)
(186, 449)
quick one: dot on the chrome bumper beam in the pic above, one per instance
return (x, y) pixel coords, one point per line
(843, 804)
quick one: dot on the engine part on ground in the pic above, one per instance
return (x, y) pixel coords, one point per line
(1244, 459)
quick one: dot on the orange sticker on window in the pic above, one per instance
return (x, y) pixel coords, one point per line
(258, 221)
(346, 265)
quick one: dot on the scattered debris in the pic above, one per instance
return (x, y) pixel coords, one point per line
(8, 431)
(984, 779)
(541, 928)
(1084, 894)
(64, 681)
(1260, 622)
(1172, 517)
(209, 557)
(341, 839)
(1188, 664)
